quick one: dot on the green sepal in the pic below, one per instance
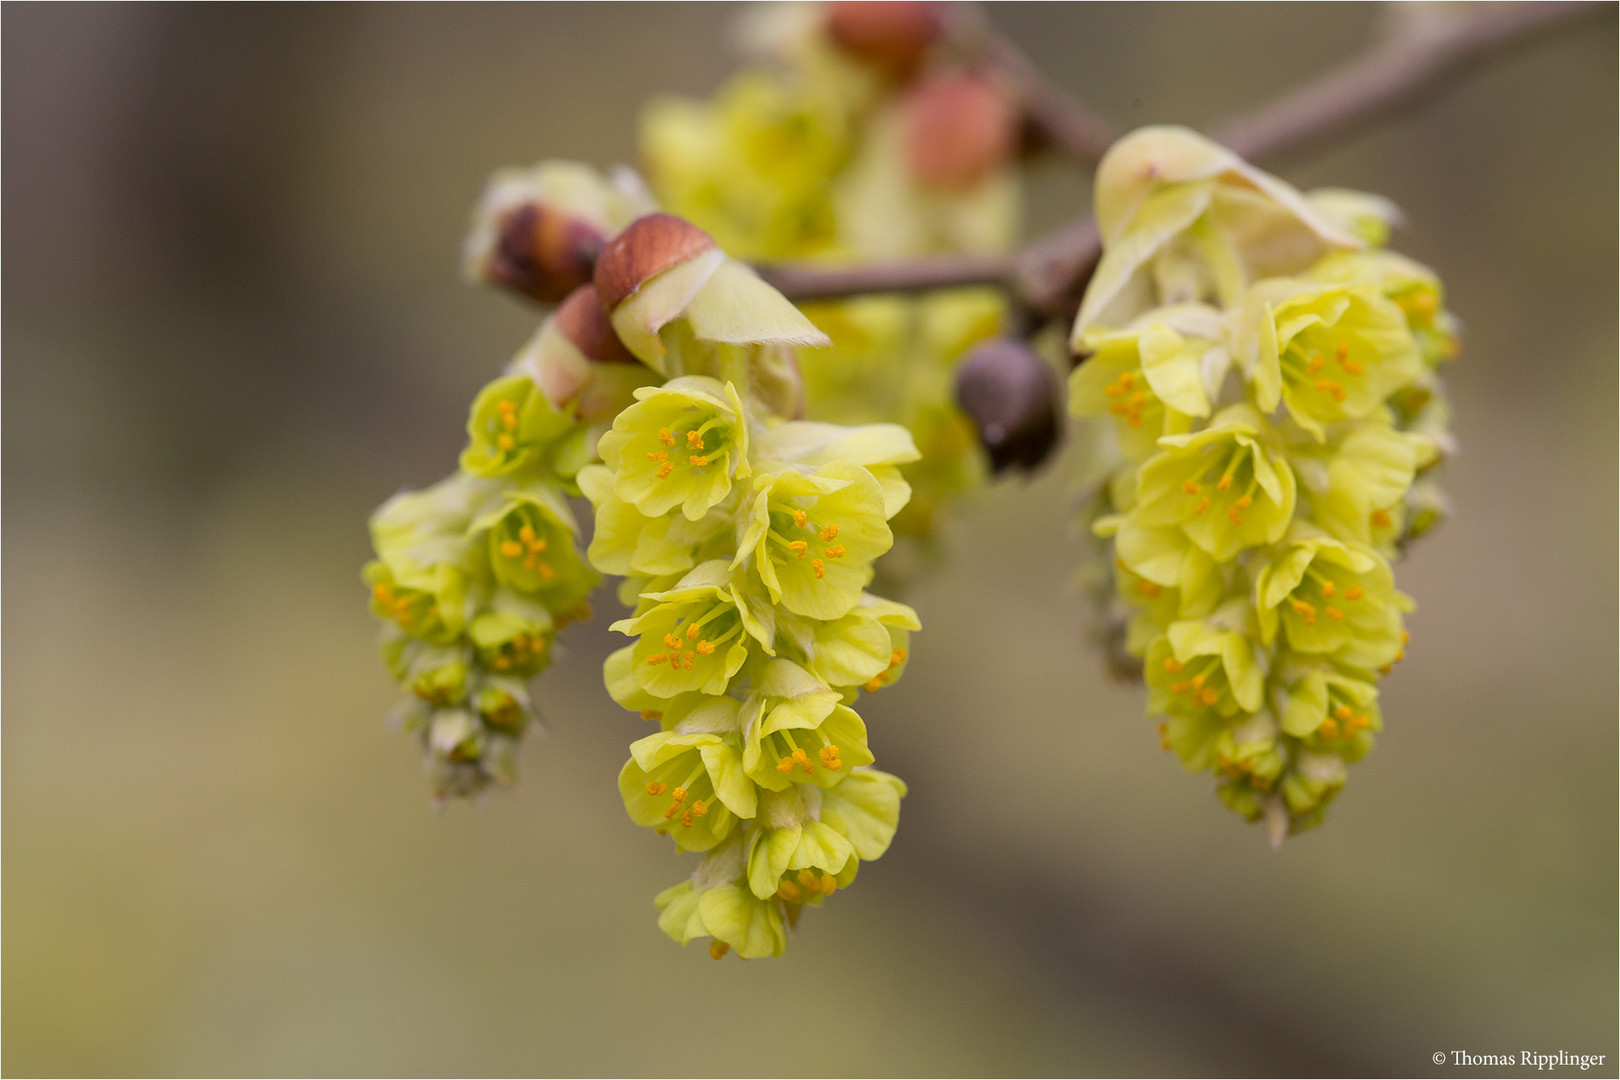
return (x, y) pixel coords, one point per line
(710, 637)
(865, 809)
(1222, 486)
(669, 431)
(511, 426)
(819, 568)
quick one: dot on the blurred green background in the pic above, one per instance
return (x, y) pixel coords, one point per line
(233, 325)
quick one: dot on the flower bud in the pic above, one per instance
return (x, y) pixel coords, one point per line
(893, 34)
(541, 253)
(662, 269)
(538, 231)
(582, 321)
(959, 129)
(578, 362)
(1011, 396)
(651, 245)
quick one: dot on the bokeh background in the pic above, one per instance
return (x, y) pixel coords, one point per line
(233, 325)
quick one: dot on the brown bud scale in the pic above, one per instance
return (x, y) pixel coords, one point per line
(542, 253)
(582, 321)
(649, 246)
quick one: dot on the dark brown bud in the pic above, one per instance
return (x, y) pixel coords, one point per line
(581, 320)
(894, 34)
(542, 252)
(649, 246)
(1011, 395)
(960, 128)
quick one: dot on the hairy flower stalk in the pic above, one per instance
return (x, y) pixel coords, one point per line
(1260, 384)
(746, 540)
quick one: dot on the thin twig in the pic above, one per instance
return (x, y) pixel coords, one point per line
(1049, 274)
(805, 281)
(1392, 77)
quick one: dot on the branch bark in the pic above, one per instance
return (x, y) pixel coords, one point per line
(1049, 274)
(1391, 77)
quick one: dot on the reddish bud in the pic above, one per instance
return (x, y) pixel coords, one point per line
(1011, 395)
(893, 34)
(582, 321)
(649, 246)
(541, 252)
(960, 129)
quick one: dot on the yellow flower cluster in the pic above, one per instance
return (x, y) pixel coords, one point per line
(1264, 413)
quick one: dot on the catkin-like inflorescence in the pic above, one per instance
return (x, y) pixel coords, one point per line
(746, 541)
(473, 577)
(1259, 381)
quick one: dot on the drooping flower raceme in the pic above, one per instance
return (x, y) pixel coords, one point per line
(753, 637)
(474, 576)
(747, 542)
(1260, 382)
(472, 579)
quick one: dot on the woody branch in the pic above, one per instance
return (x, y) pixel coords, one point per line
(1048, 275)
